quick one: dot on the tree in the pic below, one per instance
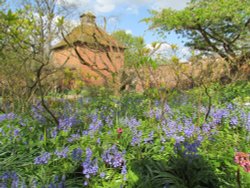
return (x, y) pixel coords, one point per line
(212, 27)
(140, 60)
(25, 42)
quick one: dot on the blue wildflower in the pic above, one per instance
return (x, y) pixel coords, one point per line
(113, 157)
(102, 174)
(63, 153)
(42, 159)
(66, 123)
(90, 167)
(77, 154)
(234, 121)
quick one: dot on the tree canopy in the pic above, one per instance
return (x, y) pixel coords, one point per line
(214, 26)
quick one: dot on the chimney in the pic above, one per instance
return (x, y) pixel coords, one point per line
(88, 19)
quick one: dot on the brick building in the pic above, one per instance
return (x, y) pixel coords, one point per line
(91, 52)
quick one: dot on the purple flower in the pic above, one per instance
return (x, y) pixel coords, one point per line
(113, 157)
(9, 116)
(37, 113)
(42, 159)
(189, 131)
(85, 183)
(124, 170)
(54, 133)
(219, 115)
(136, 139)
(179, 139)
(206, 128)
(77, 154)
(63, 153)
(150, 138)
(90, 167)
(9, 176)
(73, 137)
(16, 132)
(230, 106)
(95, 125)
(132, 123)
(67, 122)
(234, 120)
(102, 175)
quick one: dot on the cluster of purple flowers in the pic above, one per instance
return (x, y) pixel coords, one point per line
(95, 124)
(136, 139)
(37, 113)
(65, 123)
(12, 176)
(178, 130)
(73, 137)
(159, 112)
(9, 116)
(63, 153)
(113, 158)
(42, 159)
(187, 149)
(132, 122)
(77, 154)
(150, 138)
(90, 167)
(219, 115)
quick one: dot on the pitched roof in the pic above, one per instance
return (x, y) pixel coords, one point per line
(89, 34)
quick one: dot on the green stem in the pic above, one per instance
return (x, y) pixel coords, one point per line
(238, 178)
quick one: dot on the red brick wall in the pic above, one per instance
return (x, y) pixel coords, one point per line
(68, 58)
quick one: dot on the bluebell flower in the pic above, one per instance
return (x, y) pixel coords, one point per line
(136, 139)
(132, 122)
(150, 138)
(124, 170)
(98, 141)
(37, 113)
(65, 123)
(102, 174)
(230, 106)
(9, 116)
(73, 137)
(77, 154)
(53, 133)
(90, 167)
(162, 148)
(219, 115)
(95, 124)
(42, 159)
(206, 128)
(63, 153)
(234, 121)
(85, 183)
(16, 132)
(113, 157)
(179, 139)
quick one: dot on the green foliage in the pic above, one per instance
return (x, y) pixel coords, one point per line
(154, 162)
(214, 26)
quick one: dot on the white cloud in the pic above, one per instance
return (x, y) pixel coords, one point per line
(128, 31)
(74, 2)
(132, 6)
(166, 51)
(133, 9)
(175, 4)
(104, 7)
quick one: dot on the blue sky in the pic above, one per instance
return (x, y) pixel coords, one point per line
(126, 15)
